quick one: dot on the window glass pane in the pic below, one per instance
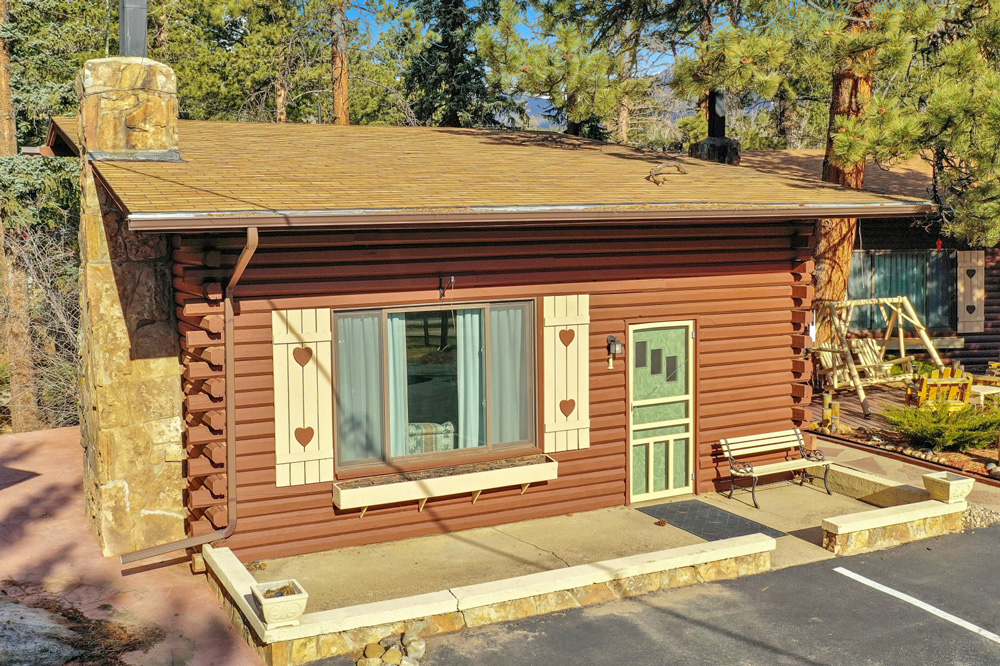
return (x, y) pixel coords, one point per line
(470, 334)
(670, 411)
(510, 372)
(666, 376)
(397, 392)
(437, 380)
(640, 471)
(681, 472)
(358, 386)
(660, 465)
(659, 432)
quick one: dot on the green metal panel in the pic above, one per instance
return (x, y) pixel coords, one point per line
(942, 290)
(926, 277)
(901, 274)
(859, 285)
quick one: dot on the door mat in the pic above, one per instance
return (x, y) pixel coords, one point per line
(706, 521)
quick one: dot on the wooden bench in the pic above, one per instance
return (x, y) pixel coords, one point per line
(737, 449)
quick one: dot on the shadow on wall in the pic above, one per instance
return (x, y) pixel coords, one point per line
(141, 266)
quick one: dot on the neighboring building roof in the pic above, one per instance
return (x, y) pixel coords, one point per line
(269, 175)
(911, 178)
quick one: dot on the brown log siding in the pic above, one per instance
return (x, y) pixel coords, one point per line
(746, 287)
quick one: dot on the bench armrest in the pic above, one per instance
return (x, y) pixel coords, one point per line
(815, 455)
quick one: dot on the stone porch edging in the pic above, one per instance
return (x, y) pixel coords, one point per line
(347, 630)
(869, 488)
(866, 531)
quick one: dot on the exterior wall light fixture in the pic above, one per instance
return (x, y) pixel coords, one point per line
(615, 347)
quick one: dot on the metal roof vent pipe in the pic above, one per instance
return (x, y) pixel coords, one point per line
(716, 148)
(132, 40)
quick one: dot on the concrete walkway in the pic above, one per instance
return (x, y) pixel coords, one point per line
(46, 539)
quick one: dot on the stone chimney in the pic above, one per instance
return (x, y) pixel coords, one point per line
(717, 147)
(131, 399)
(128, 110)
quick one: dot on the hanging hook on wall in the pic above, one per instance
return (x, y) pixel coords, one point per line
(442, 287)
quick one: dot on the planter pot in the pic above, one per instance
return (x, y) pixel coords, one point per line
(948, 487)
(283, 611)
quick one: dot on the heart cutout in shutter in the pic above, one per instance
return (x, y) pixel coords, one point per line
(971, 272)
(302, 355)
(304, 436)
(566, 336)
(567, 407)
(970, 308)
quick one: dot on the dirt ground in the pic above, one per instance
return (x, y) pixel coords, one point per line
(56, 583)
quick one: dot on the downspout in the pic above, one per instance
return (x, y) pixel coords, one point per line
(230, 360)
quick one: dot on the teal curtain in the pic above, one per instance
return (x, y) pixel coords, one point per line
(396, 393)
(358, 386)
(509, 373)
(471, 378)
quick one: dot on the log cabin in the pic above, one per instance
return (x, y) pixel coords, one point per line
(303, 337)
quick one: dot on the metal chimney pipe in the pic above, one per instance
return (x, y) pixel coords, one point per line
(717, 114)
(132, 28)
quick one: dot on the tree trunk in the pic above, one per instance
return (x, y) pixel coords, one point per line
(281, 100)
(8, 126)
(835, 237)
(623, 114)
(16, 325)
(338, 64)
(24, 413)
(623, 119)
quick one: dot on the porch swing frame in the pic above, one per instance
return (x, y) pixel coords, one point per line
(846, 362)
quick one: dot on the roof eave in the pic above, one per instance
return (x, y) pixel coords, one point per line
(510, 216)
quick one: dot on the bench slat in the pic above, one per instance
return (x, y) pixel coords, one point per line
(754, 450)
(784, 466)
(794, 433)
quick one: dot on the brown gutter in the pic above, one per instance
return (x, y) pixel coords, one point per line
(521, 216)
(192, 542)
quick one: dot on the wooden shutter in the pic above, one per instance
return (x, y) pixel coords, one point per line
(566, 372)
(971, 291)
(303, 396)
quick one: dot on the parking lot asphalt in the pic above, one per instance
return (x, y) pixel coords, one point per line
(931, 602)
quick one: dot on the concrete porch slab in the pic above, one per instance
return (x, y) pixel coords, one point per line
(422, 565)
(439, 562)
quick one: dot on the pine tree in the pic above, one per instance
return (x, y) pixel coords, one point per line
(582, 83)
(836, 53)
(447, 79)
(42, 45)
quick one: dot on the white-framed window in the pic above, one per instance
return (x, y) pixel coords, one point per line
(433, 381)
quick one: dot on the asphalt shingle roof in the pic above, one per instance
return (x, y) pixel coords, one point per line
(249, 170)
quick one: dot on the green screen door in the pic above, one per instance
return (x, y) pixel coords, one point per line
(661, 378)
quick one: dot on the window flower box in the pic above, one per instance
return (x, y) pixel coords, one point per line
(443, 482)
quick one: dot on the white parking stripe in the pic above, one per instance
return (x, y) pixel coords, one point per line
(920, 604)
